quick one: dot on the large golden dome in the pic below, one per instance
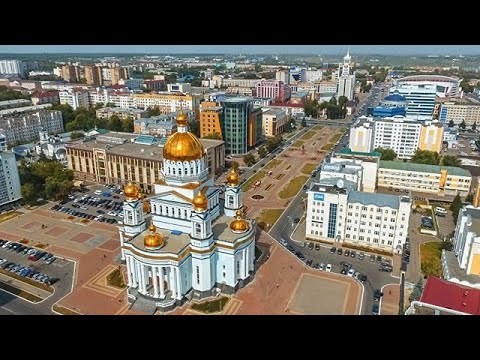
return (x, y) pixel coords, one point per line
(183, 146)
(200, 202)
(131, 191)
(239, 225)
(153, 241)
(233, 177)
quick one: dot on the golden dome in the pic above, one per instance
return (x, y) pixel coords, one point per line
(233, 177)
(140, 195)
(182, 119)
(131, 191)
(200, 202)
(239, 225)
(183, 146)
(153, 241)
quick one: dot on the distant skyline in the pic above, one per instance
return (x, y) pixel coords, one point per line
(248, 49)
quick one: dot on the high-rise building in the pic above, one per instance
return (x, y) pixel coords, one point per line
(420, 100)
(12, 67)
(346, 81)
(255, 126)
(361, 137)
(466, 240)
(71, 73)
(75, 98)
(237, 112)
(10, 188)
(117, 73)
(283, 75)
(211, 119)
(93, 75)
(274, 89)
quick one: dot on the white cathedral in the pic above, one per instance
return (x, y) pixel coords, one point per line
(197, 244)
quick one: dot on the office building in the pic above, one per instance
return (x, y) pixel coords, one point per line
(341, 215)
(308, 75)
(236, 112)
(346, 80)
(250, 83)
(238, 90)
(155, 84)
(456, 112)
(12, 67)
(327, 87)
(75, 97)
(283, 75)
(196, 246)
(274, 122)
(274, 89)
(434, 179)
(46, 97)
(445, 86)
(166, 102)
(179, 87)
(420, 100)
(10, 187)
(106, 113)
(12, 104)
(392, 105)
(211, 119)
(114, 158)
(255, 127)
(93, 75)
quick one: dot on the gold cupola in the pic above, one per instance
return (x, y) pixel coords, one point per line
(233, 178)
(239, 225)
(183, 145)
(131, 191)
(154, 240)
(200, 202)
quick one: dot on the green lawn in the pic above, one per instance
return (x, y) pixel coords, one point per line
(268, 217)
(297, 144)
(308, 135)
(115, 279)
(431, 258)
(336, 137)
(293, 187)
(212, 306)
(258, 176)
(317, 127)
(308, 168)
(272, 164)
(328, 146)
(8, 215)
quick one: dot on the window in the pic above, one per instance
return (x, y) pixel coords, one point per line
(360, 238)
(238, 267)
(198, 275)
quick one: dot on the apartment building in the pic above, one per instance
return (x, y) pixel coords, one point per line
(71, 73)
(166, 102)
(76, 98)
(467, 240)
(93, 75)
(105, 113)
(10, 187)
(12, 67)
(119, 157)
(440, 180)
(46, 97)
(274, 122)
(211, 119)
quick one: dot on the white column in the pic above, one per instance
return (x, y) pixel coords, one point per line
(129, 274)
(141, 273)
(155, 281)
(179, 292)
(244, 267)
(173, 285)
(162, 286)
(122, 251)
(134, 271)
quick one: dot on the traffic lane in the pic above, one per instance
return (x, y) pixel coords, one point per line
(12, 305)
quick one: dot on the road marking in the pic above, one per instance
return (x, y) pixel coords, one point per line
(11, 311)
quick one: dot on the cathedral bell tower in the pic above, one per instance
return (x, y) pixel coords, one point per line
(233, 194)
(133, 215)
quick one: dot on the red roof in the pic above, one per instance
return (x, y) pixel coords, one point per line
(453, 296)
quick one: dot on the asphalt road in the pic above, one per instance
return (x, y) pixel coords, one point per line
(63, 269)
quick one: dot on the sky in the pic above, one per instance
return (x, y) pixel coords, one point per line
(250, 49)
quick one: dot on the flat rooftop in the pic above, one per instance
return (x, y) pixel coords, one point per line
(455, 272)
(121, 110)
(434, 169)
(24, 109)
(379, 200)
(15, 102)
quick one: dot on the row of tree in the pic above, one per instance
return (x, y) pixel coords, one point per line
(334, 110)
(422, 157)
(8, 94)
(462, 125)
(46, 179)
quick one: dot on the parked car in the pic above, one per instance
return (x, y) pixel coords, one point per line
(309, 262)
(333, 250)
(347, 252)
(351, 272)
(361, 256)
(328, 268)
(375, 309)
(353, 253)
(317, 246)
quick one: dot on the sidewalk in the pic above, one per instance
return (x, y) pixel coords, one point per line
(24, 286)
(390, 300)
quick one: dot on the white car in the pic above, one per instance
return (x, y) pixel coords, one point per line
(84, 207)
(120, 215)
(2, 261)
(351, 272)
(112, 213)
(98, 192)
(328, 268)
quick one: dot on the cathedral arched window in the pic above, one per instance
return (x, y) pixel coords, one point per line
(198, 229)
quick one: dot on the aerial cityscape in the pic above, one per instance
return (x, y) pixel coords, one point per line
(239, 180)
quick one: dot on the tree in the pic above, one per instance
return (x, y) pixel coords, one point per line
(214, 136)
(127, 125)
(311, 107)
(9, 94)
(469, 198)
(249, 159)
(463, 125)
(110, 104)
(455, 207)
(153, 111)
(76, 135)
(426, 157)
(451, 124)
(474, 126)
(262, 152)
(114, 123)
(417, 291)
(387, 154)
(450, 160)
(235, 165)
(342, 100)
(29, 194)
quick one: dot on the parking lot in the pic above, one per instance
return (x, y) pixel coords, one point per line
(32, 263)
(99, 203)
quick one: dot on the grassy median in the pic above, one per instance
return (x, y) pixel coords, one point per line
(272, 164)
(308, 168)
(293, 187)
(249, 183)
(268, 217)
(308, 135)
(431, 258)
(297, 144)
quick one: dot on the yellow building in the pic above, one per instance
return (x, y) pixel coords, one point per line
(361, 138)
(115, 158)
(167, 102)
(273, 122)
(211, 118)
(93, 75)
(431, 137)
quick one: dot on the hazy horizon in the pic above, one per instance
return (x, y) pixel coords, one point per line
(393, 50)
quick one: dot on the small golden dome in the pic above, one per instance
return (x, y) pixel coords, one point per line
(153, 241)
(200, 202)
(140, 195)
(233, 177)
(239, 225)
(182, 119)
(183, 146)
(131, 191)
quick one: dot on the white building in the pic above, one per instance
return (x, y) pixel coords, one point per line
(52, 146)
(326, 87)
(311, 75)
(3, 142)
(420, 99)
(283, 75)
(10, 188)
(467, 240)
(11, 67)
(338, 214)
(451, 111)
(196, 245)
(361, 137)
(342, 169)
(179, 87)
(346, 80)
(445, 86)
(75, 98)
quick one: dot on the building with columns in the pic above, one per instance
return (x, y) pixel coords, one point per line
(346, 80)
(196, 244)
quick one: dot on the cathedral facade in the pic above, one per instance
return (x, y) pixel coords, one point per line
(197, 243)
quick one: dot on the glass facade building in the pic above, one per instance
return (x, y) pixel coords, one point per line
(236, 115)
